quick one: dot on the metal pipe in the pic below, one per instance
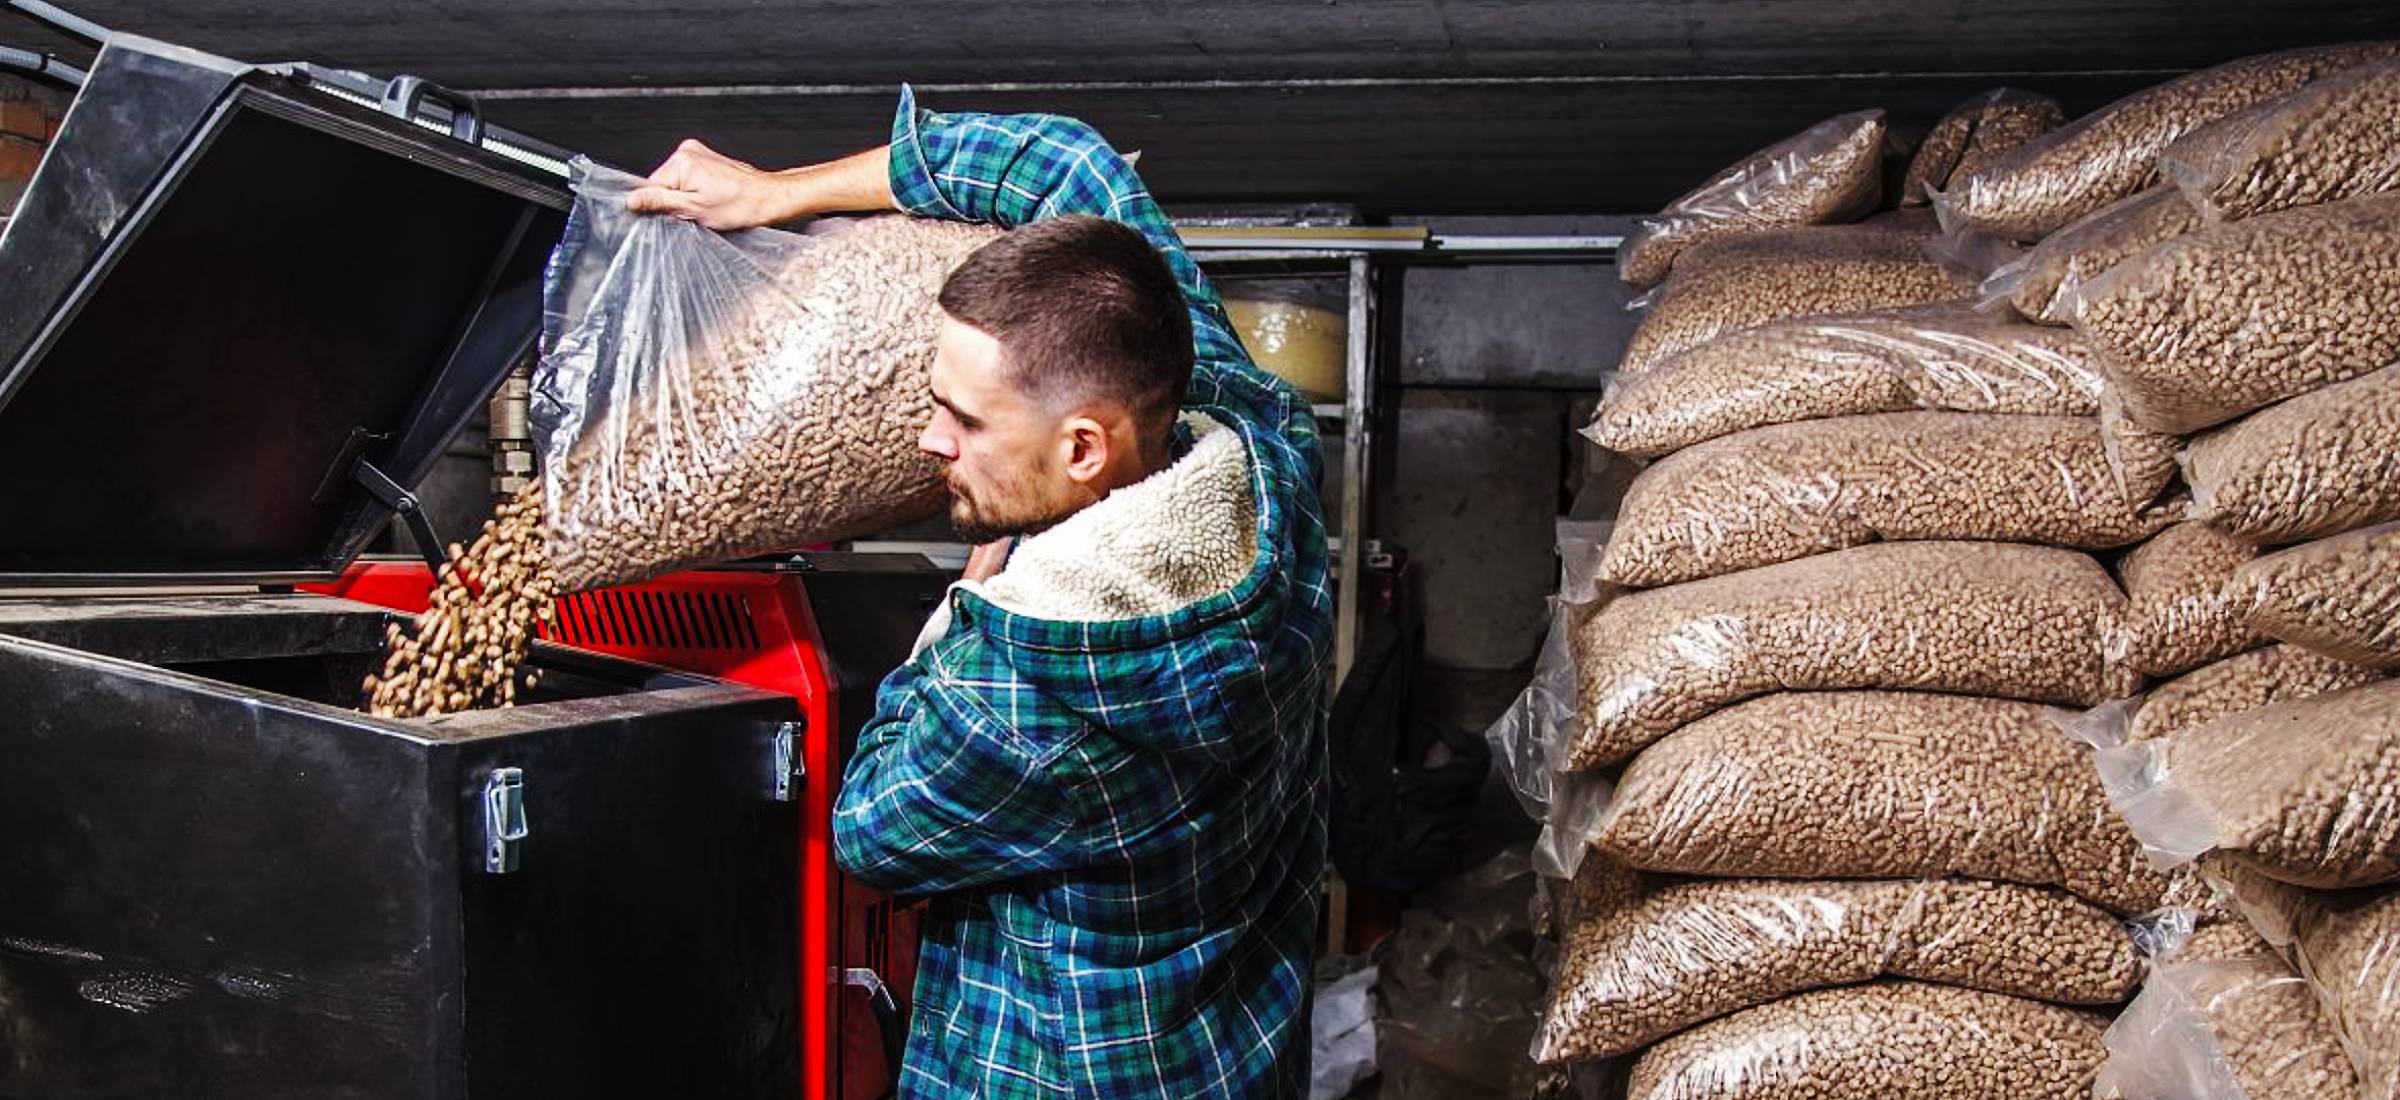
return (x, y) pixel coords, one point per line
(512, 432)
(41, 64)
(1288, 84)
(62, 19)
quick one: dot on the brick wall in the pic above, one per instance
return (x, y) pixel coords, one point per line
(29, 117)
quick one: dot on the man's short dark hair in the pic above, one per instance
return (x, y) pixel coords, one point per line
(1083, 308)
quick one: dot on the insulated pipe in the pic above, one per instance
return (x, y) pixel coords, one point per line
(41, 64)
(62, 19)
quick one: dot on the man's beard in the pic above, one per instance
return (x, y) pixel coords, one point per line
(977, 524)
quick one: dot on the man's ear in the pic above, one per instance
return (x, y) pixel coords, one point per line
(1085, 442)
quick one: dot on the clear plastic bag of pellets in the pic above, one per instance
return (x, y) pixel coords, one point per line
(2333, 139)
(2346, 944)
(2113, 152)
(2179, 608)
(2230, 1023)
(1976, 133)
(1742, 282)
(1788, 491)
(2243, 682)
(1652, 956)
(1911, 1040)
(2322, 463)
(2037, 284)
(1879, 784)
(707, 396)
(1830, 172)
(1979, 618)
(2339, 597)
(2234, 317)
(1942, 357)
(2306, 791)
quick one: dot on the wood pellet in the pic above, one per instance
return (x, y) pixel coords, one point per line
(2346, 943)
(1941, 357)
(2231, 318)
(2042, 284)
(2322, 463)
(2339, 597)
(2179, 609)
(1974, 134)
(1799, 785)
(2239, 683)
(2225, 1007)
(1660, 956)
(2333, 139)
(1890, 1040)
(464, 652)
(2306, 791)
(1788, 491)
(1742, 282)
(2113, 152)
(1979, 618)
(1830, 172)
(791, 419)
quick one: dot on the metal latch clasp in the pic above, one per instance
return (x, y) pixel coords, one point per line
(504, 827)
(791, 768)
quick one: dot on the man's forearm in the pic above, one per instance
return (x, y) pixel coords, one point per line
(856, 183)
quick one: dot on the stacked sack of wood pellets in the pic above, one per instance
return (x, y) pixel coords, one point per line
(2244, 297)
(1841, 846)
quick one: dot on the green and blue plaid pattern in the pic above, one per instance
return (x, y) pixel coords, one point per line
(1122, 823)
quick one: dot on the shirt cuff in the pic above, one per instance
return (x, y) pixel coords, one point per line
(912, 175)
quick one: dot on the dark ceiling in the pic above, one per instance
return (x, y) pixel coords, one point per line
(1398, 105)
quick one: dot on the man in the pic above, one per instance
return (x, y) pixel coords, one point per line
(1106, 760)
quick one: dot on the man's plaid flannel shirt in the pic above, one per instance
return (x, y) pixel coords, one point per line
(1122, 824)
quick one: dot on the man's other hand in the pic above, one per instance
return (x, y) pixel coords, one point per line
(702, 185)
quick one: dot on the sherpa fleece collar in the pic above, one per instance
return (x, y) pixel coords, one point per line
(1179, 536)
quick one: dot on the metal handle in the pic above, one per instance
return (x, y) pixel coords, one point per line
(404, 93)
(791, 768)
(887, 1017)
(504, 826)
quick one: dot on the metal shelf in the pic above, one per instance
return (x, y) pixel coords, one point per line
(1358, 262)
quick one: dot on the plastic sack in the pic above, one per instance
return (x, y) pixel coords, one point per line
(1879, 785)
(2333, 139)
(1788, 491)
(2113, 152)
(2306, 791)
(1889, 1040)
(1945, 357)
(2347, 945)
(1979, 618)
(2240, 683)
(1668, 955)
(703, 397)
(1744, 282)
(1974, 134)
(1341, 1034)
(1460, 990)
(2179, 612)
(2322, 463)
(2339, 596)
(1830, 172)
(2235, 317)
(2235, 1026)
(1533, 740)
(2040, 284)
